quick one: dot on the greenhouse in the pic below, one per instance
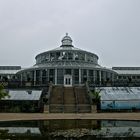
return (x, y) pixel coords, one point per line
(119, 98)
(22, 101)
(66, 65)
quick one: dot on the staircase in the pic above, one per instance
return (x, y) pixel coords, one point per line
(83, 101)
(56, 100)
(69, 100)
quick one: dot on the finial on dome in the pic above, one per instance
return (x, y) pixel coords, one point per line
(66, 34)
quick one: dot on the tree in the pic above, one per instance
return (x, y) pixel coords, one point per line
(3, 93)
(96, 96)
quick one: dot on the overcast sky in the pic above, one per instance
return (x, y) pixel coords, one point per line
(109, 28)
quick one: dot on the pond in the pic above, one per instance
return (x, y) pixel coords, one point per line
(70, 130)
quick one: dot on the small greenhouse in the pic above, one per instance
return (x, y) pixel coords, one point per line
(22, 101)
(119, 98)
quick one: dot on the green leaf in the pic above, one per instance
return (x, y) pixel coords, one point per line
(3, 93)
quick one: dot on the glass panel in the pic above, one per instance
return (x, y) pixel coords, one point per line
(76, 56)
(68, 71)
(81, 56)
(52, 56)
(44, 77)
(76, 76)
(47, 57)
(83, 75)
(60, 76)
(97, 77)
(64, 55)
(70, 81)
(37, 77)
(91, 58)
(70, 56)
(51, 75)
(58, 55)
(91, 78)
(44, 73)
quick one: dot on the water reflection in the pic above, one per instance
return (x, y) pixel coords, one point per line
(69, 130)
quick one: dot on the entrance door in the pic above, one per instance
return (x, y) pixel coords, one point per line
(67, 80)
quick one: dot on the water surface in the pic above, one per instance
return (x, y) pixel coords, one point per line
(70, 130)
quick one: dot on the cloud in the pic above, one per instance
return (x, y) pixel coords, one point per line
(109, 28)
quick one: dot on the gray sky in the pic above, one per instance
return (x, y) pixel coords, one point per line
(109, 28)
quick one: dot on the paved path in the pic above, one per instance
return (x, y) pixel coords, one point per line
(45, 116)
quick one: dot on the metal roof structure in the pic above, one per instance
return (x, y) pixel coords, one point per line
(119, 93)
(2, 72)
(66, 46)
(23, 95)
(128, 72)
(68, 64)
(126, 68)
(9, 69)
(65, 64)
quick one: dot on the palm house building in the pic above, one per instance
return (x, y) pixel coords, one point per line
(66, 65)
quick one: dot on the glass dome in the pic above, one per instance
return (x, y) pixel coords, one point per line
(68, 53)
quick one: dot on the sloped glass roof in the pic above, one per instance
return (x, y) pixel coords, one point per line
(23, 95)
(67, 64)
(9, 71)
(129, 72)
(119, 93)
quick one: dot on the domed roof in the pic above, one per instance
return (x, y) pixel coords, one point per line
(66, 46)
(66, 41)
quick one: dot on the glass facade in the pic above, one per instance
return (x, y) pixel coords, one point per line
(90, 76)
(44, 76)
(76, 76)
(66, 63)
(60, 76)
(52, 75)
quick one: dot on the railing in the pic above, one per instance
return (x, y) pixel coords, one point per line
(76, 99)
(49, 94)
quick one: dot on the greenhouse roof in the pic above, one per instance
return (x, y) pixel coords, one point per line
(119, 93)
(67, 64)
(8, 71)
(23, 95)
(128, 72)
